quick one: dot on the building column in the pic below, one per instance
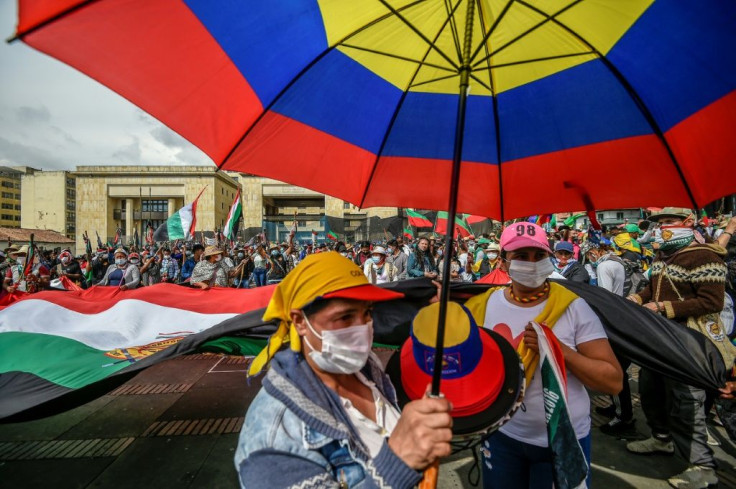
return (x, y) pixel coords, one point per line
(128, 217)
(172, 207)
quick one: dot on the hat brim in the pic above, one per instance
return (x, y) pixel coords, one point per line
(657, 217)
(524, 242)
(365, 292)
(487, 420)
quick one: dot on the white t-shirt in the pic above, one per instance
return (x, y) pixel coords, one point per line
(578, 324)
(387, 416)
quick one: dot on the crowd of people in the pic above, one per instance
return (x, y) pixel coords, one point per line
(672, 264)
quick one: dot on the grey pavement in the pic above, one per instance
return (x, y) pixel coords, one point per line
(176, 425)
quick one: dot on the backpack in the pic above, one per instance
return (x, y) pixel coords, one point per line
(634, 278)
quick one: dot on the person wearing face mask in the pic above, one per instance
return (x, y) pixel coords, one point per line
(566, 265)
(688, 279)
(68, 267)
(169, 267)
(518, 455)
(210, 272)
(121, 273)
(364, 254)
(277, 266)
(378, 270)
(397, 258)
(492, 252)
(327, 414)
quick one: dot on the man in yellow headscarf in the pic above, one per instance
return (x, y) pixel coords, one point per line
(326, 409)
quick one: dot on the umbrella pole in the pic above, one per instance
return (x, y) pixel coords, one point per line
(452, 206)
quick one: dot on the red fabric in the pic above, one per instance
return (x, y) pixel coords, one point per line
(68, 284)
(322, 163)
(554, 344)
(32, 13)
(496, 277)
(174, 53)
(8, 299)
(213, 301)
(469, 394)
(706, 140)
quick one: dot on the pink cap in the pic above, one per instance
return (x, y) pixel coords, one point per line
(524, 235)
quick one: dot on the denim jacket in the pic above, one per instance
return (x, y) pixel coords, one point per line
(297, 435)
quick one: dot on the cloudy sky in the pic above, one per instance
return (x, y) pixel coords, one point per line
(53, 117)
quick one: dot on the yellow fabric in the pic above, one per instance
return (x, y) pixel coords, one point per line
(558, 301)
(426, 320)
(624, 241)
(315, 276)
(525, 45)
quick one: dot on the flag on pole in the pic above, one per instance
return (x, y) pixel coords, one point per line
(570, 221)
(87, 244)
(28, 266)
(118, 237)
(408, 233)
(136, 239)
(417, 219)
(149, 233)
(704, 218)
(181, 224)
(233, 218)
(99, 241)
(569, 465)
(461, 225)
(471, 219)
(332, 235)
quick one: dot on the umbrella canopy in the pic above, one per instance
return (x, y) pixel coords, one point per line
(570, 104)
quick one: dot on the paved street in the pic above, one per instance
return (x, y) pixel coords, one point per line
(176, 425)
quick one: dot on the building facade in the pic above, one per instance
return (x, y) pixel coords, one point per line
(273, 205)
(128, 197)
(49, 201)
(10, 197)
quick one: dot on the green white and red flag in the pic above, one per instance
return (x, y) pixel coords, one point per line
(332, 235)
(233, 218)
(408, 233)
(461, 225)
(181, 224)
(417, 219)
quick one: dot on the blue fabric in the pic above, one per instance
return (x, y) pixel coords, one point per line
(296, 434)
(187, 268)
(259, 274)
(506, 463)
(116, 277)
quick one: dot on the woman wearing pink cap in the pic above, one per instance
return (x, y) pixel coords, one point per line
(519, 454)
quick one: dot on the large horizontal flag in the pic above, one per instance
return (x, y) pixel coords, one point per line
(53, 343)
(61, 349)
(461, 225)
(181, 224)
(417, 219)
(233, 217)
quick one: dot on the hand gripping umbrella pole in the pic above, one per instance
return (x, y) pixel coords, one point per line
(432, 472)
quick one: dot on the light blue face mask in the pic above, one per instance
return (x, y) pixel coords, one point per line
(376, 259)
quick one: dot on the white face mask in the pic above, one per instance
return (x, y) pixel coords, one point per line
(529, 273)
(344, 351)
(218, 258)
(492, 256)
(120, 261)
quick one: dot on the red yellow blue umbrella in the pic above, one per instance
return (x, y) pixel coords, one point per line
(630, 102)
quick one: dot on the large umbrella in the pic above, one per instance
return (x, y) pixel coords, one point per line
(527, 106)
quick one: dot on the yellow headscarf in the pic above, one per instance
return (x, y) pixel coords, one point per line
(314, 277)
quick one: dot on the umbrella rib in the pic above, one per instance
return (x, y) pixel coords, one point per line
(301, 73)
(536, 60)
(398, 108)
(496, 118)
(490, 32)
(426, 82)
(547, 19)
(396, 56)
(46, 22)
(637, 100)
(432, 44)
(453, 27)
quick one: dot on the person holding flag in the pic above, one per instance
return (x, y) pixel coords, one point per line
(554, 331)
(122, 274)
